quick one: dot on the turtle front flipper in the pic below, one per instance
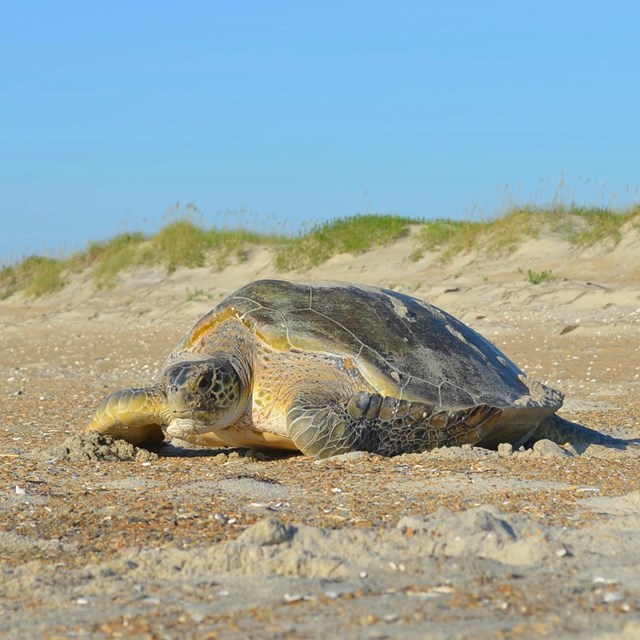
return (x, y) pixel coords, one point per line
(134, 415)
(384, 425)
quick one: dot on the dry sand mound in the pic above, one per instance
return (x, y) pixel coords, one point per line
(92, 445)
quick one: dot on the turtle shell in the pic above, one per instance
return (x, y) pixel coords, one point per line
(403, 346)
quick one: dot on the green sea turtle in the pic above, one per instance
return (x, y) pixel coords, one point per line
(328, 368)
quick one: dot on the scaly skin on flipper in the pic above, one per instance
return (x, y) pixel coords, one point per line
(134, 415)
(386, 426)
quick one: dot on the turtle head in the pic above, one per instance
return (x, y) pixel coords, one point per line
(194, 397)
(210, 392)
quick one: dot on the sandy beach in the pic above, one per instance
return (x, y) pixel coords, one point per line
(105, 541)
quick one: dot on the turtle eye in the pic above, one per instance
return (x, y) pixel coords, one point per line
(204, 381)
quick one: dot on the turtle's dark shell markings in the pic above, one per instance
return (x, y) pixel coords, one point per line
(327, 368)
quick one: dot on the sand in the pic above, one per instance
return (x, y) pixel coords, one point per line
(100, 539)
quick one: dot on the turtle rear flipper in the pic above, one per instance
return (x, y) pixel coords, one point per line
(563, 431)
(134, 415)
(384, 425)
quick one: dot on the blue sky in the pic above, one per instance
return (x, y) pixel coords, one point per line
(111, 112)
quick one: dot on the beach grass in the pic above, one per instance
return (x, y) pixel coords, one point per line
(107, 259)
(186, 243)
(354, 235)
(537, 277)
(36, 275)
(581, 227)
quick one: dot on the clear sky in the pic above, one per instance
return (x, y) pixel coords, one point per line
(111, 112)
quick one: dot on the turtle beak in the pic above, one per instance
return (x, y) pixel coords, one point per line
(180, 400)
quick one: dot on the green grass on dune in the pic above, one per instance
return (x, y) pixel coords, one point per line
(354, 235)
(600, 224)
(536, 277)
(582, 227)
(35, 275)
(107, 259)
(183, 243)
(501, 234)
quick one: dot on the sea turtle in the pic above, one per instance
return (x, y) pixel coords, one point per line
(330, 367)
